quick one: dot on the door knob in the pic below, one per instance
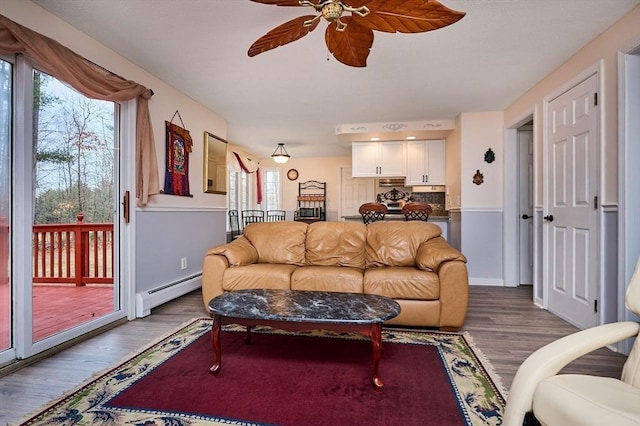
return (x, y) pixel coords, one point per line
(549, 218)
(526, 216)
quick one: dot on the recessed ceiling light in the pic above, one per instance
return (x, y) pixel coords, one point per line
(375, 139)
(411, 138)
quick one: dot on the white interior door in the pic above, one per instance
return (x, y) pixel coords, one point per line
(355, 192)
(525, 206)
(571, 230)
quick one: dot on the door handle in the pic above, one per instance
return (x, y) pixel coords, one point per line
(125, 207)
(548, 218)
(526, 216)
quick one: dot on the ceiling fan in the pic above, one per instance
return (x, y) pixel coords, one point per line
(349, 37)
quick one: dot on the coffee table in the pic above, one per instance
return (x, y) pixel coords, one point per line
(296, 310)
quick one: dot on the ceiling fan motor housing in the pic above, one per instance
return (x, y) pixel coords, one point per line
(332, 11)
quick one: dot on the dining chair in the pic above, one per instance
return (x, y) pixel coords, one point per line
(416, 211)
(372, 212)
(275, 215)
(251, 216)
(234, 224)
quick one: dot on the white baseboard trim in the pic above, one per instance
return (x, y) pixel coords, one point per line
(498, 282)
(149, 299)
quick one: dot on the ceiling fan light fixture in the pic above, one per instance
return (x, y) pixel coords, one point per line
(280, 155)
(332, 11)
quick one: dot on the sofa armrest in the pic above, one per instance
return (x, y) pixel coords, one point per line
(454, 294)
(213, 268)
(239, 252)
(436, 251)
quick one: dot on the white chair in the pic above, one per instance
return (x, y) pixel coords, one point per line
(575, 399)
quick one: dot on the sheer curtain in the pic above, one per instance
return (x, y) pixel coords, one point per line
(95, 82)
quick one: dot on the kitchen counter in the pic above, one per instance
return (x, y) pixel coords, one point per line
(398, 217)
(441, 221)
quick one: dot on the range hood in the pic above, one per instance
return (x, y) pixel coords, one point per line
(391, 182)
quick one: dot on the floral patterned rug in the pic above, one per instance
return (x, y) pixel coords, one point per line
(302, 378)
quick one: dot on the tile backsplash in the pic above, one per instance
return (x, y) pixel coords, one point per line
(435, 199)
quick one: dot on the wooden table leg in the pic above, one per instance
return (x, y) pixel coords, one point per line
(215, 338)
(376, 341)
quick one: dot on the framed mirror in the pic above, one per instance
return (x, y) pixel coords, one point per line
(215, 164)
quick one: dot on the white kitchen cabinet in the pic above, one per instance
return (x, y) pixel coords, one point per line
(425, 163)
(378, 159)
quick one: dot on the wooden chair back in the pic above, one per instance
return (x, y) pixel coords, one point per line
(372, 212)
(416, 211)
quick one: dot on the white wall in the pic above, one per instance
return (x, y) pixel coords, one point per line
(604, 48)
(479, 132)
(481, 208)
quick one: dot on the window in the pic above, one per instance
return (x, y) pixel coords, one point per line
(239, 192)
(271, 192)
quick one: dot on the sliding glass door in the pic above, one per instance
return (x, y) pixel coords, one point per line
(59, 212)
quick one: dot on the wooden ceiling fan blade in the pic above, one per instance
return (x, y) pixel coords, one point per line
(283, 34)
(282, 2)
(408, 16)
(350, 46)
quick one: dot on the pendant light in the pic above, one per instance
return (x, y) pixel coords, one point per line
(280, 155)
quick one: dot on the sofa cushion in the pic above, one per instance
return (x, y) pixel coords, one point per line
(402, 283)
(336, 244)
(396, 243)
(259, 275)
(327, 278)
(239, 252)
(278, 242)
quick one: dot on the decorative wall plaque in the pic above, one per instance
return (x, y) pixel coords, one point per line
(489, 156)
(478, 178)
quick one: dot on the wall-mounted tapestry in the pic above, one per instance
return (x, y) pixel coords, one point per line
(178, 147)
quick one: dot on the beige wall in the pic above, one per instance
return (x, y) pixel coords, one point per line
(165, 102)
(322, 169)
(480, 131)
(453, 155)
(622, 36)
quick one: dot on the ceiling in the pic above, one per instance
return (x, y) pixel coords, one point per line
(295, 94)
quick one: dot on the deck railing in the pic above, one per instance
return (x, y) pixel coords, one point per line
(78, 253)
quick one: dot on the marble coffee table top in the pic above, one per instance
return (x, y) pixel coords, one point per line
(305, 306)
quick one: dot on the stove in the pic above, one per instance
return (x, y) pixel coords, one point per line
(394, 200)
(394, 207)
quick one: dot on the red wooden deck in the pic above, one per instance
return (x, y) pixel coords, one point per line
(59, 307)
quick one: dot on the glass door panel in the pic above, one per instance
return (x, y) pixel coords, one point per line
(6, 87)
(73, 199)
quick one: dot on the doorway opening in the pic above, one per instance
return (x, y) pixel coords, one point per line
(521, 215)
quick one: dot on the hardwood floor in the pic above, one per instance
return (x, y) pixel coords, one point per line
(503, 322)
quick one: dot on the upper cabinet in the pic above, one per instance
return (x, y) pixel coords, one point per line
(425, 163)
(379, 159)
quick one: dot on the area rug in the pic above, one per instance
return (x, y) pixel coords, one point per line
(282, 378)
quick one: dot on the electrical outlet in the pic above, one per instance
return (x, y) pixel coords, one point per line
(183, 263)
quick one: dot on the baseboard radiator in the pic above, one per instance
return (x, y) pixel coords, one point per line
(149, 299)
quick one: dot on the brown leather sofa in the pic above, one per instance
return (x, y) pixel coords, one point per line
(407, 261)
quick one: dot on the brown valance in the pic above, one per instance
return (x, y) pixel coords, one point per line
(94, 82)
